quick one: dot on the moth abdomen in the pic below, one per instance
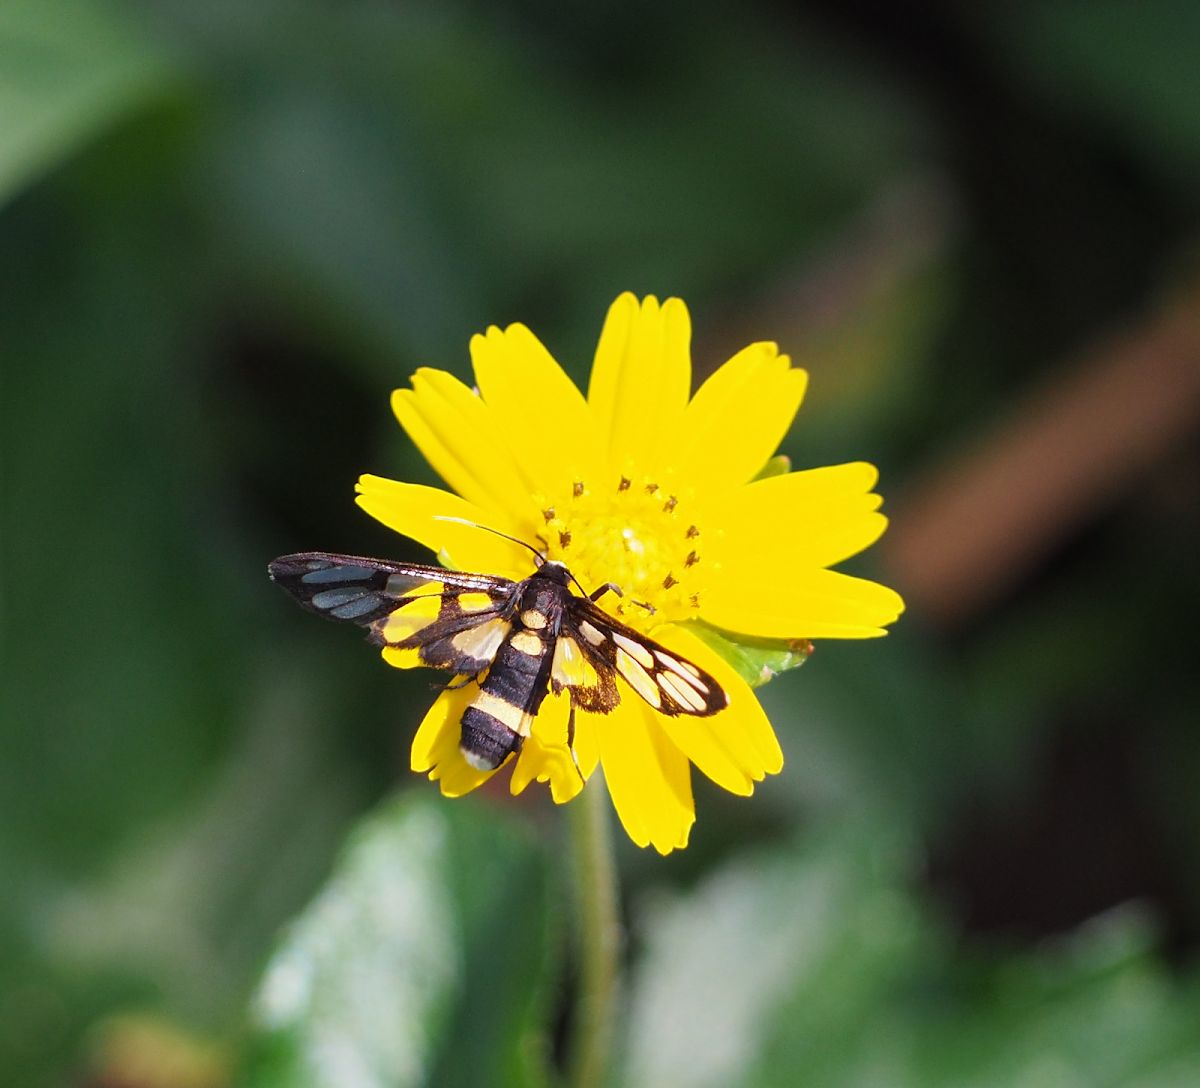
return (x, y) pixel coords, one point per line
(485, 741)
(501, 714)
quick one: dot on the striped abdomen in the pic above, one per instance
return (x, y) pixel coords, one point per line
(501, 714)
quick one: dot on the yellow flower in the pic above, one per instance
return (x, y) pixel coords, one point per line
(641, 486)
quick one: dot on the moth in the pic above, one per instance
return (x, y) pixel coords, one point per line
(518, 639)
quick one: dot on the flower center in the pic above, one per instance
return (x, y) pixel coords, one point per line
(635, 535)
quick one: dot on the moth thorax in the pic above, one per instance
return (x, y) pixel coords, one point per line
(542, 598)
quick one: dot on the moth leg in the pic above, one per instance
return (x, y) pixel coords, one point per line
(458, 684)
(571, 743)
(608, 587)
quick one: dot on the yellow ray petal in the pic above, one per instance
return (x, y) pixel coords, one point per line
(411, 509)
(641, 379)
(673, 829)
(770, 602)
(461, 437)
(829, 541)
(456, 777)
(804, 535)
(435, 747)
(545, 755)
(408, 410)
(811, 485)
(801, 519)
(522, 384)
(648, 777)
(737, 419)
(740, 735)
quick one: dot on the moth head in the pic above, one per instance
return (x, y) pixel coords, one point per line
(555, 571)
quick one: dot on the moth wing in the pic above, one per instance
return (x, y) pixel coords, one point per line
(669, 683)
(420, 615)
(584, 670)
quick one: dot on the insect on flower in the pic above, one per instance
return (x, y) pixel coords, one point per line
(653, 498)
(518, 640)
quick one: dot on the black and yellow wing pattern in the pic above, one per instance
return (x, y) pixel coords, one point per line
(518, 639)
(594, 648)
(435, 617)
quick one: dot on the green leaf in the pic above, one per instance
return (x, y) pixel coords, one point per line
(818, 926)
(68, 69)
(1097, 1008)
(420, 962)
(756, 660)
(500, 882)
(362, 983)
(780, 465)
(815, 964)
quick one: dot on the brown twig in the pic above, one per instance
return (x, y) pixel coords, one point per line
(977, 523)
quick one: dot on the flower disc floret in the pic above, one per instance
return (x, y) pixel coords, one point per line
(636, 535)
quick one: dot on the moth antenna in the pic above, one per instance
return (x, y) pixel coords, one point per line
(488, 529)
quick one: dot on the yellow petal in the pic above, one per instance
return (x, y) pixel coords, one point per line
(412, 510)
(545, 755)
(647, 776)
(462, 439)
(852, 478)
(801, 519)
(770, 602)
(740, 736)
(830, 540)
(456, 777)
(402, 659)
(641, 380)
(435, 747)
(520, 381)
(737, 419)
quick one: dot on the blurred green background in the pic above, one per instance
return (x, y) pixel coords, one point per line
(230, 228)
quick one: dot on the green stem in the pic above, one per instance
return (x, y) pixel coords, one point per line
(599, 935)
